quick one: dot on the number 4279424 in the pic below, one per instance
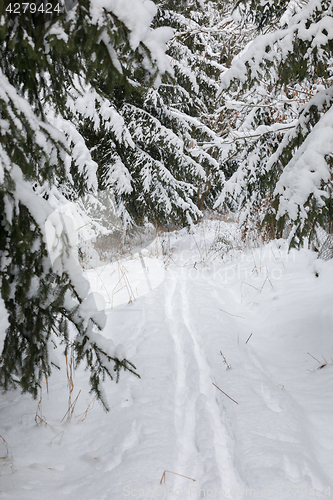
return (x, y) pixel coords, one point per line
(22, 8)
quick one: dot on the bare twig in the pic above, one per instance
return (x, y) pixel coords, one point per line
(5, 444)
(225, 361)
(232, 314)
(266, 279)
(224, 393)
(70, 363)
(70, 411)
(39, 417)
(281, 258)
(60, 434)
(176, 473)
(248, 284)
(313, 357)
(103, 284)
(85, 413)
(249, 338)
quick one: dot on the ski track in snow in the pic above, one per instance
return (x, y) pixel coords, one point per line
(203, 453)
(276, 439)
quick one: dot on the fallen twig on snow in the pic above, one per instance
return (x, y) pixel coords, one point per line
(313, 357)
(224, 393)
(225, 361)
(249, 338)
(232, 314)
(176, 473)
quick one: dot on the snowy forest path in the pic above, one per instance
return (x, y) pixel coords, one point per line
(204, 323)
(202, 436)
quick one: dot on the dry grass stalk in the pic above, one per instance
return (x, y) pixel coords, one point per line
(280, 256)
(224, 393)
(248, 284)
(39, 417)
(322, 365)
(266, 279)
(88, 409)
(313, 357)
(236, 315)
(249, 338)
(60, 434)
(47, 383)
(225, 361)
(255, 270)
(122, 277)
(6, 456)
(70, 412)
(123, 270)
(5, 445)
(245, 283)
(176, 473)
(169, 255)
(70, 364)
(103, 284)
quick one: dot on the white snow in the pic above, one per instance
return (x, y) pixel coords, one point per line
(137, 16)
(249, 321)
(306, 173)
(280, 42)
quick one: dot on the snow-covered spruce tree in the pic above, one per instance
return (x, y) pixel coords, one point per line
(185, 103)
(283, 87)
(43, 60)
(206, 39)
(157, 151)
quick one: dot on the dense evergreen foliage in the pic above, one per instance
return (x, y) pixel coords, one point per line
(158, 153)
(168, 110)
(43, 157)
(280, 91)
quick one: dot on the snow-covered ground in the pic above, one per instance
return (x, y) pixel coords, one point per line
(249, 323)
